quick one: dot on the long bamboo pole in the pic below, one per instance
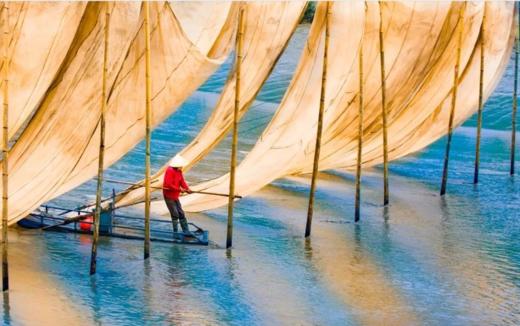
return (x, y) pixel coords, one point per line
(234, 144)
(101, 159)
(383, 107)
(480, 96)
(148, 122)
(5, 152)
(360, 136)
(515, 100)
(157, 188)
(317, 148)
(453, 99)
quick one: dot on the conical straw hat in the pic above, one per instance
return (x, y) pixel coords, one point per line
(178, 161)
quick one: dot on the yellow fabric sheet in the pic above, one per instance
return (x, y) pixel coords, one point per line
(55, 88)
(420, 44)
(58, 149)
(268, 27)
(37, 47)
(178, 69)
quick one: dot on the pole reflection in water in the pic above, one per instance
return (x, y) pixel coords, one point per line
(7, 309)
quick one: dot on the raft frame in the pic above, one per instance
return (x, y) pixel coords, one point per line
(52, 218)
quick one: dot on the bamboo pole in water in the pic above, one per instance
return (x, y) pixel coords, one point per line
(360, 136)
(320, 123)
(453, 99)
(480, 96)
(234, 144)
(148, 122)
(99, 190)
(5, 154)
(384, 108)
(515, 100)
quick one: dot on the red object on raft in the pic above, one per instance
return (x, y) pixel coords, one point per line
(86, 224)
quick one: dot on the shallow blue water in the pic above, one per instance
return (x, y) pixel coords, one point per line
(423, 260)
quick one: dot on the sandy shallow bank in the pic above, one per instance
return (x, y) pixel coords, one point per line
(35, 298)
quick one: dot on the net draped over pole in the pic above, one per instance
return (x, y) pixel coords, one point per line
(56, 133)
(58, 148)
(419, 91)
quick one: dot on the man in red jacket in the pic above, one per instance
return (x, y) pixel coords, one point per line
(173, 185)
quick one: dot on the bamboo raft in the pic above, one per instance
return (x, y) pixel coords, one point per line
(111, 224)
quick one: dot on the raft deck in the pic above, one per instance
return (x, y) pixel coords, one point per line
(112, 224)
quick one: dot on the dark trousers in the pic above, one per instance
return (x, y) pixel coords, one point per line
(177, 214)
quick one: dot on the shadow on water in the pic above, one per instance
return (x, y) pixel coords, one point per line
(450, 235)
(96, 300)
(147, 290)
(429, 253)
(341, 263)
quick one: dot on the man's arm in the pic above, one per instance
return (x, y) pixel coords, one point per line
(184, 185)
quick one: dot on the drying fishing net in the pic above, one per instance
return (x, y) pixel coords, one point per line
(420, 43)
(55, 89)
(37, 47)
(58, 148)
(266, 32)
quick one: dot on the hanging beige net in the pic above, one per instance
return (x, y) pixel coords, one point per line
(37, 47)
(56, 54)
(420, 44)
(58, 148)
(268, 27)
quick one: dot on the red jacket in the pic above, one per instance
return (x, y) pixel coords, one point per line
(173, 183)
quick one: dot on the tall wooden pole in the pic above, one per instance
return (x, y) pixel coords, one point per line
(383, 106)
(360, 136)
(317, 148)
(148, 122)
(101, 159)
(480, 96)
(515, 100)
(5, 152)
(234, 144)
(453, 100)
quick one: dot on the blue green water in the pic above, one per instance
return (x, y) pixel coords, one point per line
(424, 260)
